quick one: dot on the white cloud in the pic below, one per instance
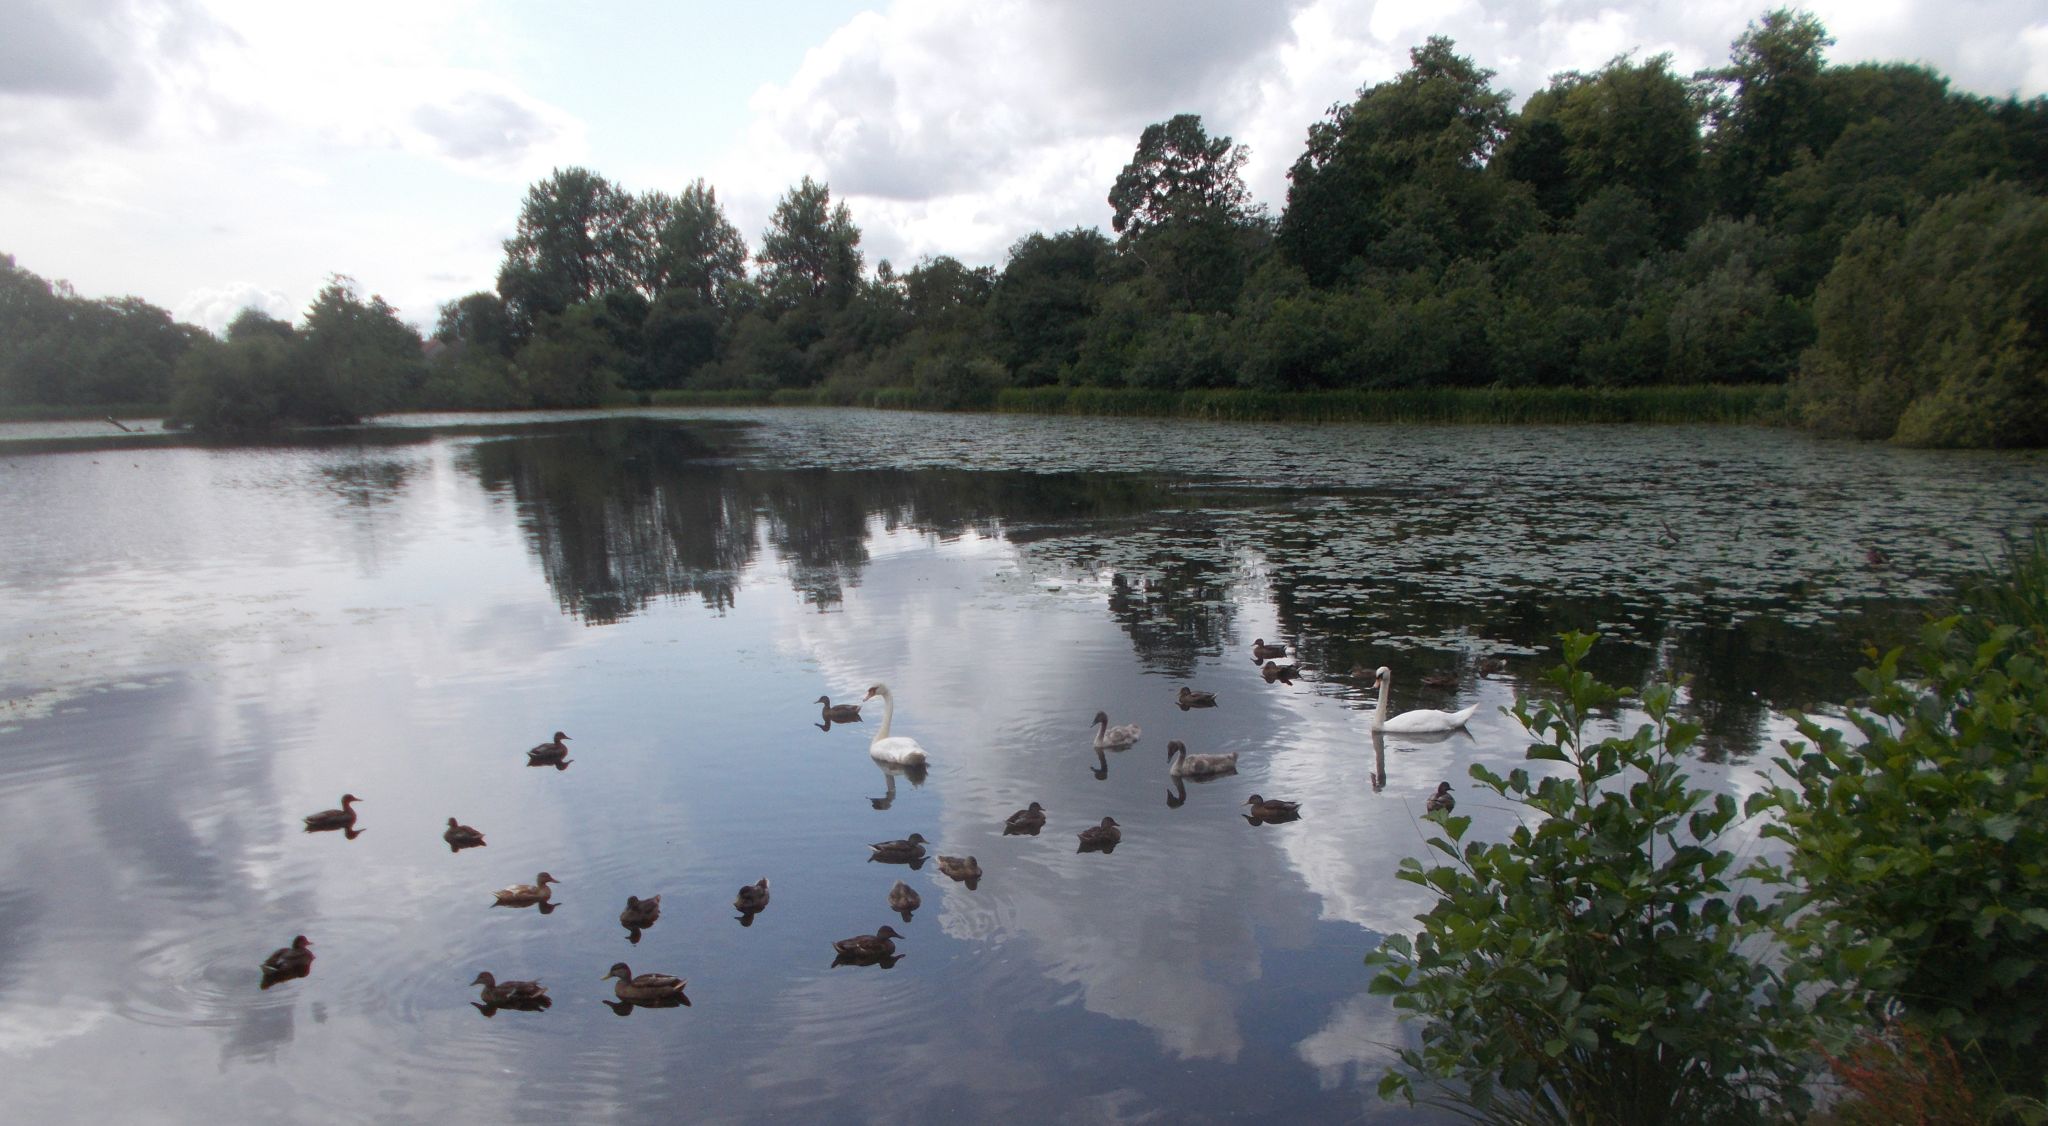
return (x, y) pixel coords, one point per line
(214, 307)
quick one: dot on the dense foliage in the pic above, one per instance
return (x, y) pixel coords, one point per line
(1920, 848)
(1862, 234)
(1598, 966)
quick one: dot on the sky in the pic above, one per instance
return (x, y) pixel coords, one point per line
(209, 155)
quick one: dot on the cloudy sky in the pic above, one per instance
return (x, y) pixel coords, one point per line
(211, 154)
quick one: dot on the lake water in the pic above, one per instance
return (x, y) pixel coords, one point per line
(204, 644)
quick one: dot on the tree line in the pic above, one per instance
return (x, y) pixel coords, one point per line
(1861, 235)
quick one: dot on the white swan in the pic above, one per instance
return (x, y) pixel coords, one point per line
(1419, 721)
(1197, 766)
(884, 747)
(1115, 738)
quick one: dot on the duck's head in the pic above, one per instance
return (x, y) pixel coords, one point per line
(485, 978)
(1037, 808)
(824, 700)
(1109, 823)
(619, 970)
(1443, 787)
(915, 838)
(347, 798)
(560, 737)
(301, 942)
(544, 879)
(887, 931)
(1253, 800)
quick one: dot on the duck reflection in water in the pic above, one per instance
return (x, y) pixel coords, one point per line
(751, 901)
(1025, 822)
(961, 869)
(908, 851)
(1271, 811)
(523, 996)
(877, 949)
(288, 963)
(330, 820)
(892, 771)
(1101, 838)
(639, 915)
(903, 899)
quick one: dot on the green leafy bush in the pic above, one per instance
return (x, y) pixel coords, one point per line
(1920, 852)
(1597, 966)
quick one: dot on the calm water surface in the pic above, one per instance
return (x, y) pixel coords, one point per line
(199, 646)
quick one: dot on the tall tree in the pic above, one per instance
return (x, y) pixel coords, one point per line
(579, 235)
(1632, 125)
(1768, 109)
(1050, 288)
(695, 248)
(1179, 174)
(810, 253)
(357, 355)
(1397, 179)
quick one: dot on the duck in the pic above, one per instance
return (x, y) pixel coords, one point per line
(1272, 809)
(1273, 670)
(1190, 698)
(966, 869)
(1113, 738)
(460, 836)
(1419, 721)
(525, 895)
(884, 747)
(551, 751)
(1104, 836)
(838, 713)
(1440, 679)
(904, 899)
(1181, 764)
(330, 819)
(640, 913)
(752, 898)
(1264, 652)
(290, 961)
(868, 947)
(512, 994)
(1026, 822)
(647, 989)
(899, 852)
(1441, 801)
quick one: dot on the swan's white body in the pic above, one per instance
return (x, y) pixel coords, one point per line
(1113, 738)
(1420, 721)
(1181, 764)
(884, 747)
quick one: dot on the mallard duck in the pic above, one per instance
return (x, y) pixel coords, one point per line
(966, 869)
(752, 897)
(1440, 679)
(1027, 821)
(838, 713)
(640, 913)
(884, 747)
(460, 836)
(513, 994)
(1272, 809)
(1491, 665)
(647, 989)
(1189, 698)
(899, 852)
(290, 961)
(904, 899)
(1418, 722)
(1103, 836)
(1181, 764)
(868, 947)
(1441, 801)
(1114, 738)
(1264, 652)
(330, 819)
(525, 895)
(552, 751)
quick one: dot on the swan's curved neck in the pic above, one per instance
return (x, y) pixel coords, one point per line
(1379, 715)
(888, 713)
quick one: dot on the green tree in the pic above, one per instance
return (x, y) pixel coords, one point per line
(1631, 125)
(1767, 109)
(695, 248)
(355, 357)
(1050, 288)
(810, 253)
(1180, 174)
(1398, 178)
(477, 320)
(579, 236)
(1936, 334)
(1597, 967)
